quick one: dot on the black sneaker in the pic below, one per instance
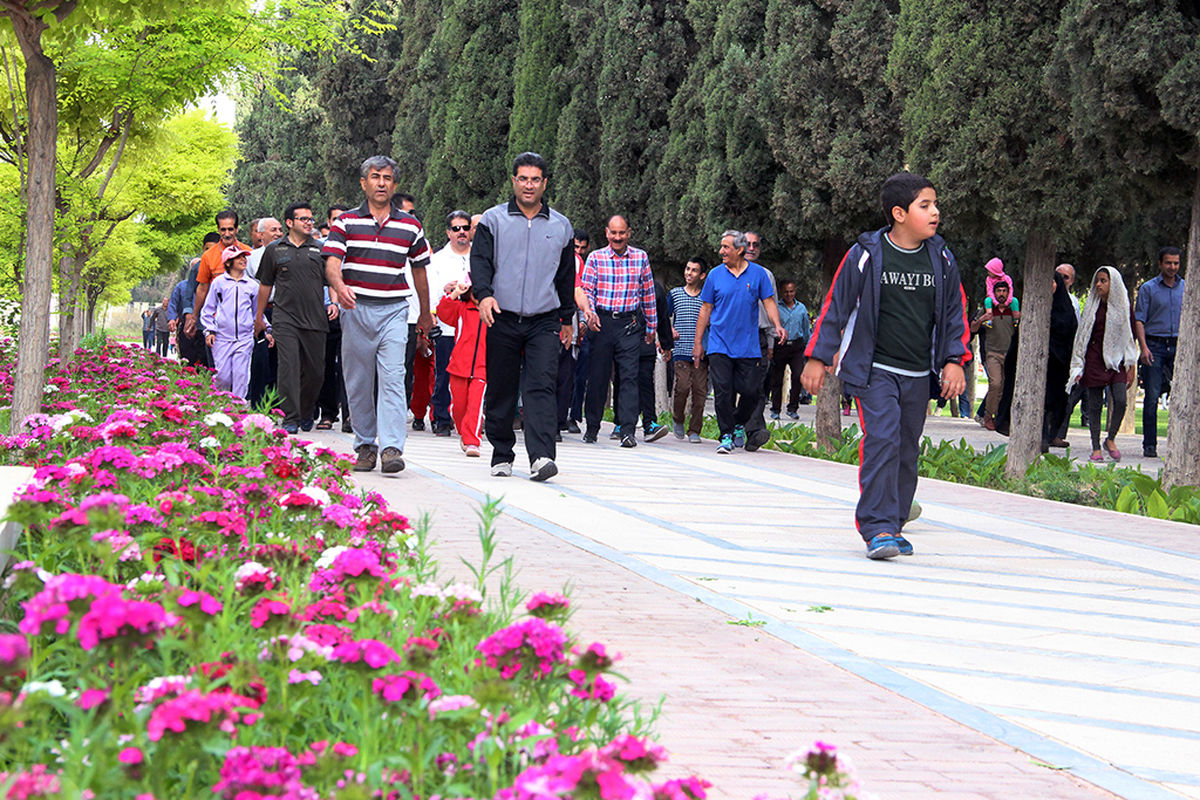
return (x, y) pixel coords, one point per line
(418, 424)
(589, 437)
(628, 440)
(346, 426)
(757, 439)
(558, 436)
(1150, 452)
(615, 435)
(306, 425)
(442, 432)
(572, 426)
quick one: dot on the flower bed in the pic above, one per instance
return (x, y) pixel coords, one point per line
(204, 606)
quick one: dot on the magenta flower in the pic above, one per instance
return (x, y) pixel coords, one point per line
(131, 756)
(63, 597)
(37, 782)
(533, 643)
(266, 610)
(372, 652)
(222, 708)
(252, 772)
(92, 698)
(14, 649)
(208, 604)
(548, 606)
(409, 686)
(111, 616)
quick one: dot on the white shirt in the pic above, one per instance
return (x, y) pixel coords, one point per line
(253, 259)
(445, 266)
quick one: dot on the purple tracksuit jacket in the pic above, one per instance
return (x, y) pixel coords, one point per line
(229, 313)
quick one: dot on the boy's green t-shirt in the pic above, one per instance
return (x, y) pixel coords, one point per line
(904, 332)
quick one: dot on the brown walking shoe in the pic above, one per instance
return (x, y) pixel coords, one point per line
(391, 460)
(366, 458)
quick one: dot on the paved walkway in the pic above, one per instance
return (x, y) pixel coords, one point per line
(1028, 649)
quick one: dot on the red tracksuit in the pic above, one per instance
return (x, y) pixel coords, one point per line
(467, 367)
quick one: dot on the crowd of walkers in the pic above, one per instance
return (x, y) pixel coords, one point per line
(518, 324)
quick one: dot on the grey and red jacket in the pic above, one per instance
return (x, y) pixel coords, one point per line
(847, 322)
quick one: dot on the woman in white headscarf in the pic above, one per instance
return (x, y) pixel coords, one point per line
(1105, 355)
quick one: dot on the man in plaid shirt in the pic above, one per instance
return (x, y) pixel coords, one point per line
(620, 289)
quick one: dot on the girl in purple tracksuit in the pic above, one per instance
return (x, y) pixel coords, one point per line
(228, 316)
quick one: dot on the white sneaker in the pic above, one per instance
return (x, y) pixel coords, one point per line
(542, 469)
(471, 450)
(502, 470)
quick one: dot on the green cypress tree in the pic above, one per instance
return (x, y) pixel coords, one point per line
(539, 93)
(979, 120)
(413, 81)
(832, 124)
(470, 108)
(1130, 71)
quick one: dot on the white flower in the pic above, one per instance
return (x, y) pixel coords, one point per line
(49, 388)
(316, 494)
(462, 591)
(209, 441)
(53, 688)
(328, 557)
(217, 418)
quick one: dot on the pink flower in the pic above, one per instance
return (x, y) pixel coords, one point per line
(253, 772)
(548, 606)
(533, 643)
(635, 753)
(450, 702)
(266, 610)
(130, 756)
(222, 708)
(37, 782)
(372, 652)
(208, 604)
(14, 649)
(110, 616)
(692, 788)
(409, 686)
(312, 676)
(63, 597)
(92, 698)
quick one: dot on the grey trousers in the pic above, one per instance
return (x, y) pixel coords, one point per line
(374, 338)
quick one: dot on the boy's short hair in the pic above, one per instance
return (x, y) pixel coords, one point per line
(701, 260)
(581, 235)
(901, 190)
(1169, 250)
(211, 238)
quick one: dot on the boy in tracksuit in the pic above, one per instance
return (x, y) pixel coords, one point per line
(228, 316)
(468, 364)
(895, 312)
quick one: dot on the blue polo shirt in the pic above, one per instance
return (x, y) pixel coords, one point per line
(733, 325)
(1159, 306)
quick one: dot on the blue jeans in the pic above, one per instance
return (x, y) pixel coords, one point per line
(374, 339)
(1155, 376)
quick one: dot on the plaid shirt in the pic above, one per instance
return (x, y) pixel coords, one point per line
(620, 283)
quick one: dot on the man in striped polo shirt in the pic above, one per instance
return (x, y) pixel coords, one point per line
(375, 259)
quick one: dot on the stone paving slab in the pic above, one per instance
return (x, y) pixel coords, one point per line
(1066, 632)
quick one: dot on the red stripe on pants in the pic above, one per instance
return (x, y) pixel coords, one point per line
(466, 407)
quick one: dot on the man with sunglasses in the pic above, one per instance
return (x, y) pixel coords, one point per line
(447, 267)
(294, 268)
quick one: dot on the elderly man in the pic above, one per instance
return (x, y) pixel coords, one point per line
(264, 362)
(729, 301)
(618, 284)
(366, 256)
(523, 275)
(1156, 323)
(211, 264)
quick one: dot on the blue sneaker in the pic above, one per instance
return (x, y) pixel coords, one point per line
(904, 545)
(883, 545)
(726, 445)
(654, 432)
(739, 436)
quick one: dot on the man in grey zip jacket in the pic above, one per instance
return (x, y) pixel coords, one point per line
(523, 276)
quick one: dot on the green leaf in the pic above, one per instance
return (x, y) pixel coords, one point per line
(1156, 505)
(1126, 500)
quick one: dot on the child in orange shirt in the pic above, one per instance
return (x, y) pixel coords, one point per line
(468, 364)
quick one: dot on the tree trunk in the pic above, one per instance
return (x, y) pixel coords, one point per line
(33, 344)
(1182, 467)
(828, 419)
(69, 305)
(1029, 392)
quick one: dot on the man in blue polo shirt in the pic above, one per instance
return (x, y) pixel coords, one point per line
(1156, 325)
(729, 302)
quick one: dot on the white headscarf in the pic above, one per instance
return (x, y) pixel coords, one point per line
(1120, 350)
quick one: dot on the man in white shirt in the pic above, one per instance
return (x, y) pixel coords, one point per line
(447, 267)
(263, 362)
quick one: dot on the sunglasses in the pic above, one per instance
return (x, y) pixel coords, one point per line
(460, 228)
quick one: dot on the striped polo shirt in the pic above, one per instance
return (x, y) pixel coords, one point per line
(375, 257)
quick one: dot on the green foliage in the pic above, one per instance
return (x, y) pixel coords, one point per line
(539, 93)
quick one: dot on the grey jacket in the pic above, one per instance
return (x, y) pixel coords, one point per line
(528, 265)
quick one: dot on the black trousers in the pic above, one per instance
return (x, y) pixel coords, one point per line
(191, 348)
(443, 346)
(566, 384)
(301, 371)
(333, 388)
(735, 377)
(264, 365)
(645, 378)
(522, 346)
(789, 354)
(162, 340)
(617, 343)
(410, 354)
